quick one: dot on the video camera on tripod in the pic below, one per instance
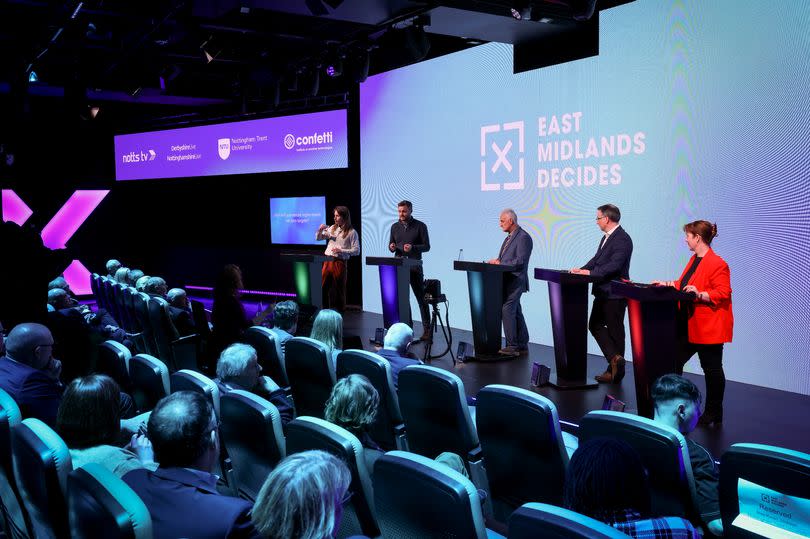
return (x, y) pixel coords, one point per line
(433, 292)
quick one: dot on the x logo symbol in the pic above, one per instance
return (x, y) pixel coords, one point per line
(502, 156)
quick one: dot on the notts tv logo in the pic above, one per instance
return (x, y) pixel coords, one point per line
(139, 157)
(313, 141)
(502, 157)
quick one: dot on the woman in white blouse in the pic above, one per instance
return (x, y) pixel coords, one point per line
(342, 242)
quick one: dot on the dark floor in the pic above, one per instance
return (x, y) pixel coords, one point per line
(752, 414)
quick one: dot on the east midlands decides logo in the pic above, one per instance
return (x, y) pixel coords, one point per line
(315, 139)
(138, 157)
(502, 156)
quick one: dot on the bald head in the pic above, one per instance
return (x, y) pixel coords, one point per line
(177, 298)
(30, 344)
(398, 338)
(157, 286)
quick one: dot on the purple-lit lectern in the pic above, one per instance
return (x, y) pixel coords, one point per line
(652, 311)
(568, 299)
(485, 283)
(395, 281)
(307, 275)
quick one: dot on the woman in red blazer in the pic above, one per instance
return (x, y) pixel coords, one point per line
(703, 326)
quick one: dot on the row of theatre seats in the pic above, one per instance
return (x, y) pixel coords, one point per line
(147, 321)
(511, 442)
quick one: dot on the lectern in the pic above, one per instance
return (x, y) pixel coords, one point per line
(395, 281)
(653, 332)
(307, 275)
(485, 282)
(568, 299)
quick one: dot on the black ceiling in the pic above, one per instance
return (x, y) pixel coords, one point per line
(263, 53)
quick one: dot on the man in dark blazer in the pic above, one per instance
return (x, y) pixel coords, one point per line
(395, 349)
(181, 495)
(611, 262)
(30, 374)
(180, 313)
(515, 251)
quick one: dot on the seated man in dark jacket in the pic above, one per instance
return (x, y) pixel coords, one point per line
(180, 312)
(30, 374)
(238, 368)
(181, 495)
(396, 344)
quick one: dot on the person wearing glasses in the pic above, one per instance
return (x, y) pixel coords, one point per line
(611, 261)
(30, 374)
(707, 323)
(181, 495)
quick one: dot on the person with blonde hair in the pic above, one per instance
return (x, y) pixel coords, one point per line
(302, 497)
(328, 329)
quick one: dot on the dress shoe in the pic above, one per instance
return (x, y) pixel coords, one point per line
(604, 378)
(617, 365)
(509, 351)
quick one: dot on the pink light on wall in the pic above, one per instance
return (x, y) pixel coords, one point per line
(13, 208)
(78, 278)
(70, 217)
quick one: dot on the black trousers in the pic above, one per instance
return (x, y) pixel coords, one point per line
(418, 287)
(607, 325)
(711, 361)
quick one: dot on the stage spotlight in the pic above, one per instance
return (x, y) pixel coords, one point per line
(361, 67)
(32, 77)
(335, 67)
(521, 10)
(94, 111)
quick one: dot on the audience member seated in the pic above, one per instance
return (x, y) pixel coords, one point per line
(89, 421)
(100, 323)
(112, 266)
(395, 348)
(134, 275)
(30, 374)
(61, 282)
(677, 405)
(156, 287)
(606, 480)
(180, 312)
(353, 405)
(181, 494)
(238, 368)
(285, 318)
(328, 329)
(228, 313)
(122, 275)
(140, 284)
(303, 497)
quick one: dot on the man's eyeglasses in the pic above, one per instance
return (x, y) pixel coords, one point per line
(600, 218)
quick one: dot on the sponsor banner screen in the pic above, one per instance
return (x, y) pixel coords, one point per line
(687, 113)
(302, 142)
(294, 220)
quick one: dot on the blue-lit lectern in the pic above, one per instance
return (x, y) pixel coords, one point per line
(395, 282)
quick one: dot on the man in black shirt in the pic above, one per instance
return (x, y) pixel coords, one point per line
(409, 239)
(677, 405)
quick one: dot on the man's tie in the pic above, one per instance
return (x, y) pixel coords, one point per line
(602, 243)
(504, 244)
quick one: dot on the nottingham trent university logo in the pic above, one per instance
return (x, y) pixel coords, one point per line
(289, 141)
(224, 148)
(501, 157)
